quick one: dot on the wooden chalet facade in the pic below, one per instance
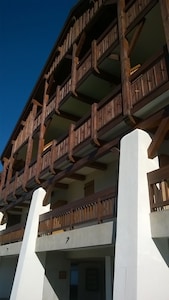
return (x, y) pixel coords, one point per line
(107, 76)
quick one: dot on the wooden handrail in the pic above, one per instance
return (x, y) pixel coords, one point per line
(158, 181)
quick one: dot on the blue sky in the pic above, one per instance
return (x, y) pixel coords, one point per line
(28, 31)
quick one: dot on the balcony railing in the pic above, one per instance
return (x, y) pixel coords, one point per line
(96, 208)
(149, 77)
(152, 75)
(92, 209)
(12, 234)
(158, 181)
(134, 9)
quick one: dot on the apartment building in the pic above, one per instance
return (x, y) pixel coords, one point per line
(84, 199)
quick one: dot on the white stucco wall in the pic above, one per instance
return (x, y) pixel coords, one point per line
(102, 180)
(56, 288)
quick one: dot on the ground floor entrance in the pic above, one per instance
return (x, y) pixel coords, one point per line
(87, 280)
(79, 275)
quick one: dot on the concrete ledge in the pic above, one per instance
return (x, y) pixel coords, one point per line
(10, 249)
(95, 235)
(160, 224)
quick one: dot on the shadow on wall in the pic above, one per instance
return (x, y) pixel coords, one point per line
(163, 247)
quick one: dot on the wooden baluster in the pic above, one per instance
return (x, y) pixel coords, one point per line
(74, 70)
(124, 58)
(99, 208)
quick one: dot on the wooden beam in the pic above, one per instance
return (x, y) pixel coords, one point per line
(86, 99)
(97, 165)
(61, 186)
(151, 122)
(68, 116)
(77, 176)
(107, 77)
(158, 137)
(135, 36)
(124, 58)
(36, 102)
(164, 5)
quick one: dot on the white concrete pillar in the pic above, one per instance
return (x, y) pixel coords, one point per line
(29, 277)
(108, 277)
(3, 226)
(140, 271)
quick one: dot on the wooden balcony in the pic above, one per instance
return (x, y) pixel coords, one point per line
(97, 208)
(134, 12)
(93, 209)
(158, 181)
(100, 50)
(145, 83)
(12, 234)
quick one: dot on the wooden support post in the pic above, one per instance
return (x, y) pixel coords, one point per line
(71, 142)
(74, 69)
(57, 99)
(11, 161)
(164, 4)
(29, 146)
(94, 56)
(158, 137)
(41, 134)
(124, 58)
(5, 172)
(94, 124)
